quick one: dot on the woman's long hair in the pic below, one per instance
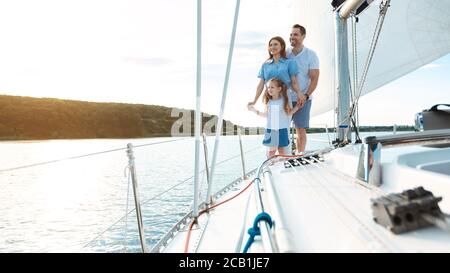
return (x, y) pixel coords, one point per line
(284, 95)
(283, 47)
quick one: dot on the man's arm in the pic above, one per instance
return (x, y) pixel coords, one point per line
(300, 97)
(259, 90)
(314, 76)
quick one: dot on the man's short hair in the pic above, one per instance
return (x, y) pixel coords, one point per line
(301, 28)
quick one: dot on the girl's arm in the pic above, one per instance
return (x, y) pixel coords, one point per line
(259, 113)
(295, 109)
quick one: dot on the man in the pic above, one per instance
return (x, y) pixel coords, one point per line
(308, 76)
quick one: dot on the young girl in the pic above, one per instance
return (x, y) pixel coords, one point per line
(279, 113)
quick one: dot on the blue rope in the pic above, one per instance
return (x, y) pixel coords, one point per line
(255, 231)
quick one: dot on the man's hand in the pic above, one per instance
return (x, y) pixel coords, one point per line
(301, 100)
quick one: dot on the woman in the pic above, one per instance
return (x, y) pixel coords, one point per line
(278, 66)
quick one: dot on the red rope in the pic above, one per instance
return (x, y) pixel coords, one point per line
(186, 246)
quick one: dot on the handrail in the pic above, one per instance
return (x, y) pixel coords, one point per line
(269, 242)
(266, 234)
(326, 131)
(418, 138)
(369, 162)
(284, 236)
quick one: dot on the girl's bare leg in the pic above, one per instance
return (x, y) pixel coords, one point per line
(271, 151)
(281, 151)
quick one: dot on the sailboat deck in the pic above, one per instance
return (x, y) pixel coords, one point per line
(321, 209)
(219, 230)
(329, 213)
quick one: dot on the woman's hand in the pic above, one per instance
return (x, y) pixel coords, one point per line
(251, 107)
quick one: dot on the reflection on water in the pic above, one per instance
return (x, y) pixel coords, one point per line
(62, 206)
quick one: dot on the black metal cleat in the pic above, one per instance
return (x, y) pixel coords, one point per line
(402, 212)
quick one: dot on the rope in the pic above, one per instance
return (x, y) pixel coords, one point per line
(225, 201)
(85, 155)
(383, 10)
(255, 230)
(194, 220)
(188, 238)
(354, 120)
(355, 57)
(169, 189)
(436, 221)
(349, 118)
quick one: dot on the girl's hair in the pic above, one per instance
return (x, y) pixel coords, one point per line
(284, 95)
(283, 47)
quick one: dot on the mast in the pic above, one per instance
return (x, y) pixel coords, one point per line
(342, 77)
(198, 123)
(342, 69)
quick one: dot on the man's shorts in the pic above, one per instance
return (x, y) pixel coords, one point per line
(301, 117)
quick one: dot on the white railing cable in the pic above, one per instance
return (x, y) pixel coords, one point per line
(85, 155)
(162, 193)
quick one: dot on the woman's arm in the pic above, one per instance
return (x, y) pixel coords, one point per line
(259, 90)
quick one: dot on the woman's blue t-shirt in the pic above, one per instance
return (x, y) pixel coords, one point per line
(283, 70)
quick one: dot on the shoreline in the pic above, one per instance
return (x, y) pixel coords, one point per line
(312, 132)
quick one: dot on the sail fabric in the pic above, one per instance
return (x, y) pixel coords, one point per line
(414, 33)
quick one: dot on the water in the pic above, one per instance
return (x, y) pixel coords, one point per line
(78, 205)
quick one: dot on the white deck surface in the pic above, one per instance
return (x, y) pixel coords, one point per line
(325, 210)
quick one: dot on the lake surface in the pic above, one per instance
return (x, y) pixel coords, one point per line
(78, 204)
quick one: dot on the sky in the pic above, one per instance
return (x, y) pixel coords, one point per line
(144, 51)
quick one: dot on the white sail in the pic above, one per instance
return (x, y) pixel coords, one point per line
(414, 33)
